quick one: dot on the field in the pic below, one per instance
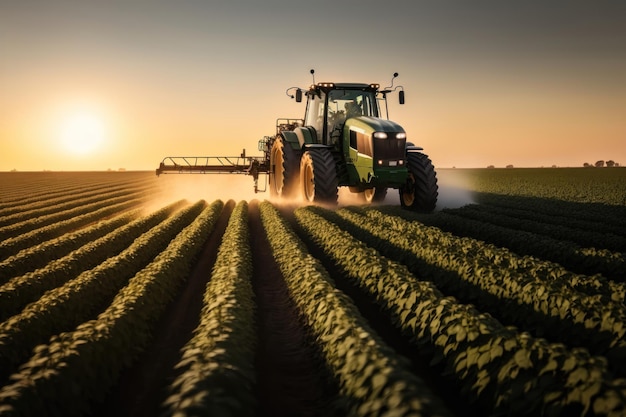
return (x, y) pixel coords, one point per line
(120, 296)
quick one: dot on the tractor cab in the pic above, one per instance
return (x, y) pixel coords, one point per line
(329, 105)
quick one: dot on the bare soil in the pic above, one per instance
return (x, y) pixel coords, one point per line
(142, 387)
(291, 380)
(420, 361)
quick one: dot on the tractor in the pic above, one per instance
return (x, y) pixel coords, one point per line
(343, 141)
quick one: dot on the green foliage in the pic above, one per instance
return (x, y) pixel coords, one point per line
(65, 376)
(217, 367)
(475, 268)
(511, 371)
(21, 290)
(66, 306)
(371, 376)
(605, 185)
(47, 251)
(18, 242)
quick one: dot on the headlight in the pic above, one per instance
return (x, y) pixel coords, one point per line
(401, 135)
(380, 135)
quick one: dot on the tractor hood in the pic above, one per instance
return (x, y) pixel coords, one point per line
(369, 125)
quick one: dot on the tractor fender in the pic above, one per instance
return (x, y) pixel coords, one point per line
(410, 147)
(291, 138)
(305, 135)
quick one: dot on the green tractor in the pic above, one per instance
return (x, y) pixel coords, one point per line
(343, 141)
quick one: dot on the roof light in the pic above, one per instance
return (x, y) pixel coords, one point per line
(375, 86)
(330, 85)
(380, 135)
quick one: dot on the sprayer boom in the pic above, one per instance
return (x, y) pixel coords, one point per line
(247, 165)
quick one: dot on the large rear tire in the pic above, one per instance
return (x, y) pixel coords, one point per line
(283, 170)
(318, 177)
(420, 191)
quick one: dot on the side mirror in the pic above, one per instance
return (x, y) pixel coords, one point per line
(401, 95)
(298, 95)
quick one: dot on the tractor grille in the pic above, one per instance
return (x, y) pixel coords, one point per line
(379, 149)
(389, 149)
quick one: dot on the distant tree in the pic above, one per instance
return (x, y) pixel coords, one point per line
(610, 163)
(490, 167)
(554, 166)
(587, 165)
(509, 166)
(599, 164)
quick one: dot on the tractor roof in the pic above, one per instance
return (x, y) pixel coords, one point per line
(344, 86)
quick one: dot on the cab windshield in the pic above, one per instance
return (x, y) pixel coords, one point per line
(342, 104)
(351, 103)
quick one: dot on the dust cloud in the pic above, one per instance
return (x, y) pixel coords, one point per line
(208, 187)
(454, 190)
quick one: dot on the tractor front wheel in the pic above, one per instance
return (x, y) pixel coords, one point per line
(375, 195)
(318, 177)
(420, 191)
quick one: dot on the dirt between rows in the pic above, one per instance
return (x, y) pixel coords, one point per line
(291, 380)
(446, 388)
(142, 387)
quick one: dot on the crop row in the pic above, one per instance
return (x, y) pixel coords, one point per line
(487, 274)
(79, 299)
(568, 184)
(371, 376)
(588, 232)
(76, 199)
(14, 245)
(588, 237)
(503, 256)
(217, 375)
(30, 224)
(511, 372)
(588, 261)
(23, 289)
(71, 372)
(566, 211)
(20, 190)
(38, 256)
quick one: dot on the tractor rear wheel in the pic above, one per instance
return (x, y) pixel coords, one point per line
(283, 170)
(318, 177)
(420, 191)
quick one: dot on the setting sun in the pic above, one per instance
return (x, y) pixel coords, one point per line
(82, 133)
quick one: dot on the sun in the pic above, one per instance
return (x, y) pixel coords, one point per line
(82, 133)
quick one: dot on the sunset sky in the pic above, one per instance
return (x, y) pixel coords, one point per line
(93, 85)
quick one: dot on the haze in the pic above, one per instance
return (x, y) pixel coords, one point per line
(487, 83)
